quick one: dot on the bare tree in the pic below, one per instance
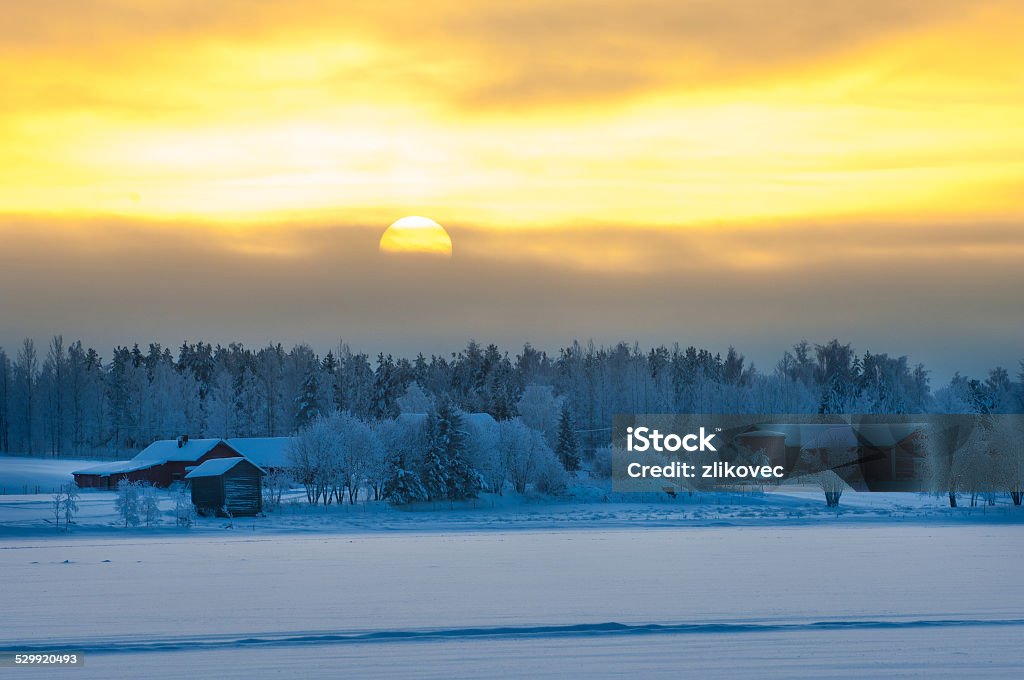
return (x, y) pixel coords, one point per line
(274, 486)
(69, 506)
(56, 504)
(1007, 438)
(5, 395)
(56, 364)
(313, 455)
(360, 446)
(27, 371)
(954, 455)
(524, 452)
(65, 505)
(828, 460)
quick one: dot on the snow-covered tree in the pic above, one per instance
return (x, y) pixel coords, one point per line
(69, 504)
(275, 483)
(27, 378)
(1007, 440)
(127, 502)
(446, 472)
(74, 401)
(149, 504)
(415, 400)
(308, 404)
(955, 449)
(540, 408)
(402, 445)
(56, 505)
(551, 478)
(482, 452)
(313, 456)
(567, 447)
(5, 401)
(386, 387)
(403, 486)
(184, 511)
(378, 468)
(526, 453)
(360, 449)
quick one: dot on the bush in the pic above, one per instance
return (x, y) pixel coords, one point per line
(184, 511)
(601, 468)
(551, 477)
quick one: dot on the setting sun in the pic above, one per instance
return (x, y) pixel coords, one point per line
(419, 235)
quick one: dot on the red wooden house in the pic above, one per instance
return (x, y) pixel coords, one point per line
(161, 463)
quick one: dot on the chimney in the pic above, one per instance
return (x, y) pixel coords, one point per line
(182, 440)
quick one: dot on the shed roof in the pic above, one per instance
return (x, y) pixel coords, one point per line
(218, 466)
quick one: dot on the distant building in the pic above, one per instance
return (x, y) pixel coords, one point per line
(227, 485)
(270, 453)
(161, 463)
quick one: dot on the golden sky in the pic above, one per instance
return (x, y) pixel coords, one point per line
(766, 134)
(526, 114)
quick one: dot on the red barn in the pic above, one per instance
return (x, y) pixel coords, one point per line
(161, 463)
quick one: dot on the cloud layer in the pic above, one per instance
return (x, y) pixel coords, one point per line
(949, 295)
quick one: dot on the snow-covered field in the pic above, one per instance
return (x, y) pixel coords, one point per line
(813, 600)
(22, 474)
(770, 585)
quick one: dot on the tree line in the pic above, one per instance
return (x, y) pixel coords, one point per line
(67, 399)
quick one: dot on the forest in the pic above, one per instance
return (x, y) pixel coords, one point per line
(69, 400)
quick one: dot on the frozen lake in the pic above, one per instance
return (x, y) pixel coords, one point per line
(766, 601)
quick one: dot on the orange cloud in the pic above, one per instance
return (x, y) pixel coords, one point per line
(520, 116)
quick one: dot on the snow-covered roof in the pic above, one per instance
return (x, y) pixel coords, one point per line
(216, 467)
(117, 467)
(481, 420)
(166, 450)
(264, 451)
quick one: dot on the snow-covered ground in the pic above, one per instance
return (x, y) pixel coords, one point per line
(817, 600)
(24, 474)
(772, 585)
(588, 506)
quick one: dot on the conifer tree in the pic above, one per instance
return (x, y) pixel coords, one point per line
(446, 471)
(567, 447)
(402, 486)
(307, 406)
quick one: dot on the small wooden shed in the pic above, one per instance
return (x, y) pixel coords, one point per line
(233, 485)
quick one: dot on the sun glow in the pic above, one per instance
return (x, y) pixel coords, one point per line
(300, 112)
(415, 234)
